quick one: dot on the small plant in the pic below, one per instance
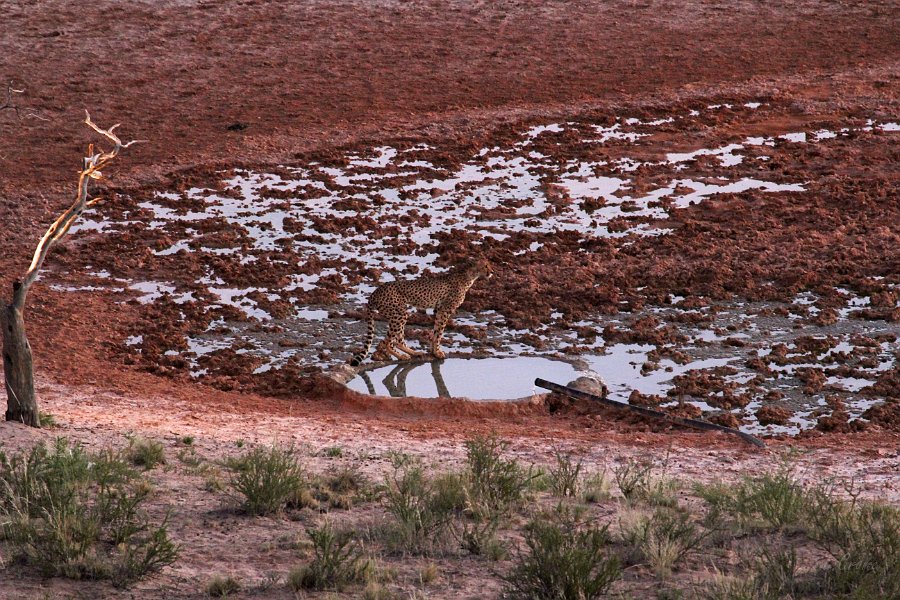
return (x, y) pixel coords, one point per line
(145, 554)
(662, 540)
(377, 591)
(212, 482)
(187, 440)
(145, 453)
(631, 477)
(480, 538)
(494, 481)
(422, 507)
(189, 457)
(339, 489)
(428, 574)
(865, 544)
(639, 484)
(266, 478)
(564, 477)
(773, 577)
(222, 587)
(596, 488)
(776, 573)
(47, 420)
(337, 563)
(565, 560)
(730, 588)
(334, 452)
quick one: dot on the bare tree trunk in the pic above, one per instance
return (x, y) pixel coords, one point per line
(17, 366)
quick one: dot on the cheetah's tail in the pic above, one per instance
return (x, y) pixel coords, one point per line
(370, 337)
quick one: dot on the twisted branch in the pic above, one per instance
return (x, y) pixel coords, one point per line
(9, 105)
(91, 169)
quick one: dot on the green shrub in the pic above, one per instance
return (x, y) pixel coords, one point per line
(661, 540)
(423, 508)
(564, 477)
(144, 555)
(74, 514)
(865, 544)
(774, 501)
(494, 482)
(565, 560)
(145, 453)
(340, 488)
(266, 478)
(486, 494)
(776, 573)
(338, 561)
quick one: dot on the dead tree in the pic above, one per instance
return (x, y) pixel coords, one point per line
(17, 362)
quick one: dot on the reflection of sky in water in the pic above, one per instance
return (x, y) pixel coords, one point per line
(620, 369)
(478, 378)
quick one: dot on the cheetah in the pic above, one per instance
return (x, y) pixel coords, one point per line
(443, 293)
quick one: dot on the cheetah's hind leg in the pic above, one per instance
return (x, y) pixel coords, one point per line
(382, 353)
(412, 353)
(386, 350)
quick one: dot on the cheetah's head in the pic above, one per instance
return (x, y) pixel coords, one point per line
(479, 268)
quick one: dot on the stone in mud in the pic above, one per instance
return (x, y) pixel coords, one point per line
(592, 384)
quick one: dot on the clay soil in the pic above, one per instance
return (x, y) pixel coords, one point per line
(213, 85)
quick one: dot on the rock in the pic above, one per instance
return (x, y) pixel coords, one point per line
(592, 384)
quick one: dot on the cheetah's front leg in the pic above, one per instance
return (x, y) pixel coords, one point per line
(441, 318)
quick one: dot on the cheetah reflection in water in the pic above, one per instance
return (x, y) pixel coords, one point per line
(391, 301)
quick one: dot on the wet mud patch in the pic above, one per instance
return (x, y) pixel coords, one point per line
(720, 258)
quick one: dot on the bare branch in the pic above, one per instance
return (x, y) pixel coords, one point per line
(9, 105)
(91, 169)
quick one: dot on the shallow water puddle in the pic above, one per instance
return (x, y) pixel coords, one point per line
(473, 378)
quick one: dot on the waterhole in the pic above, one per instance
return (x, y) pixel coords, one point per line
(473, 378)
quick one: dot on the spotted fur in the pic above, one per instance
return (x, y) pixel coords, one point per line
(390, 301)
